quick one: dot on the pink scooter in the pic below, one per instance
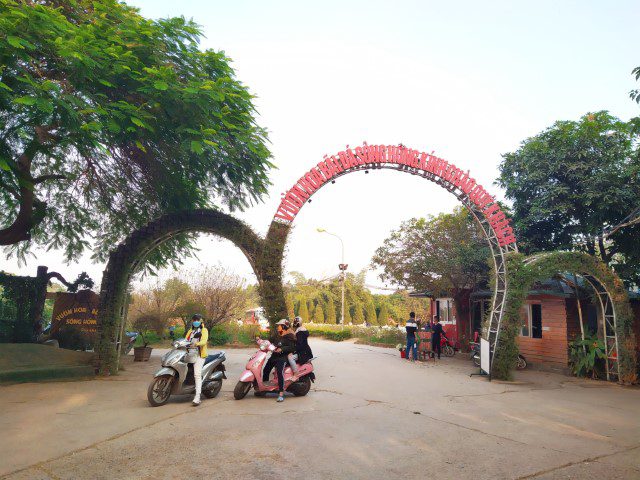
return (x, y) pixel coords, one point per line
(252, 376)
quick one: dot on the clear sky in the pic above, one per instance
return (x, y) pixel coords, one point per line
(469, 80)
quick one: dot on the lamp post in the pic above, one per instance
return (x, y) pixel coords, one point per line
(343, 269)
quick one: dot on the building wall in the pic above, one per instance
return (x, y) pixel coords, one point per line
(551, 349)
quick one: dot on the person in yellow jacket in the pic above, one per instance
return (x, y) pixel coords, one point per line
(198, 335)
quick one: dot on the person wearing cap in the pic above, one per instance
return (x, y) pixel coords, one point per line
(198, 335)
(285, 343)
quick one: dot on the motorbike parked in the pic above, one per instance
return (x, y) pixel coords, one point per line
(176, 375)
(130, 340)
(298, 384)
(521, 363)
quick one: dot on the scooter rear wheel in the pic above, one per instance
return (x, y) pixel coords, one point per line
(241, 390)
(159, 390)
(301, 387)
(448, 351)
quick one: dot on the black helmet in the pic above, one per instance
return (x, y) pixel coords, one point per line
(197, 316)
(297, 322)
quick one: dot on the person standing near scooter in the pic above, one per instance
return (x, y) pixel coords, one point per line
(411, 328)
(198, 335)
(436, 337)
(285, 343)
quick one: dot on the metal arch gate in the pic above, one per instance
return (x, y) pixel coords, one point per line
(609, 319)
(486, 211)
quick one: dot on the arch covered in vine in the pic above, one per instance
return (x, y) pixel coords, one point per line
(493, 222)
(609, 290)
(128, 258)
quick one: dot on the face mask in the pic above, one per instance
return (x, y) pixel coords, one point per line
(196, 324)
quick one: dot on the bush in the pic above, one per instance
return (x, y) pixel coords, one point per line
(219, 335)
(338, 335)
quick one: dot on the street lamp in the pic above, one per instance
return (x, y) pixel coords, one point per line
(343, 269)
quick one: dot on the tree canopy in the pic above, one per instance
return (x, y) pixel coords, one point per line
(571, 182)
(444, 254)
(109, 119)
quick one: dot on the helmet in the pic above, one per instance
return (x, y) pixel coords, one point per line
(285, 323)
(197, 316)
(297, 322)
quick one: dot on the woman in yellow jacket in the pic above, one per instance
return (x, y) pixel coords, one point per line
(198, 335)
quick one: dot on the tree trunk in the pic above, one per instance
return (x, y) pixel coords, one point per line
(20, 229)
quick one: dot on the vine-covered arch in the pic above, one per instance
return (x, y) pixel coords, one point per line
(485, 209)
(611, 295)
(130, 255)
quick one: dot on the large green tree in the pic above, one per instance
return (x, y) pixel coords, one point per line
(444, 255)
(109, 119)
(571, 183)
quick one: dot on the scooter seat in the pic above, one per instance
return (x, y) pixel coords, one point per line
(212, 357)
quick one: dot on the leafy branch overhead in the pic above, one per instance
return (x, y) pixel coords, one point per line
(108, 120)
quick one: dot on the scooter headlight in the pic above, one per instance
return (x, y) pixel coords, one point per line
(263, 347)
(176, 344)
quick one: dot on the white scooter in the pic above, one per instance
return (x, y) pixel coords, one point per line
(176, 375)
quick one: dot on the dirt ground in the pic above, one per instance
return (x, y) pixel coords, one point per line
(370, 415)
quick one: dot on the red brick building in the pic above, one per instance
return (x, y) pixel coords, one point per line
(550, 320)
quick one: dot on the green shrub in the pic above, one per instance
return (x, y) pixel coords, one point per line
(219, 335)
(585, 355)
(338, 335)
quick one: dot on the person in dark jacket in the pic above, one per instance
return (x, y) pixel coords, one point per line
(436, 337)
(411, 327)
(302, 341)
(285, 343)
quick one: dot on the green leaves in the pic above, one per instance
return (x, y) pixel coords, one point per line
(25, 100)
(15, 42)
(160, 85)
(197, 147)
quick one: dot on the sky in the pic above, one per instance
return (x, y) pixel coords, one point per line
(469, 80)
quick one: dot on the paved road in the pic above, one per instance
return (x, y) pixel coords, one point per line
(369, 416)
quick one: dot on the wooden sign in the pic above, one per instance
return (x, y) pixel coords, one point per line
(78, 310)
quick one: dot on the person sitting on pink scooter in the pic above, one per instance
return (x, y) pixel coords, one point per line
(302, 341)
(285, 343)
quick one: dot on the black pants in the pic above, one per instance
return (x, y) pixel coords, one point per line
(280, 364)
(435, 345)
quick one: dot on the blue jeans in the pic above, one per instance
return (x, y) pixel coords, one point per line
(411, 344)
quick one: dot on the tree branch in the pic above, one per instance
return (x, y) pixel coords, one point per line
(44, 178)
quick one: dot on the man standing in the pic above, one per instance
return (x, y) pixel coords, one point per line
(411, 328)
(436, 337)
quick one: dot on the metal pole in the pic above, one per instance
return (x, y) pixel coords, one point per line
(575, 286)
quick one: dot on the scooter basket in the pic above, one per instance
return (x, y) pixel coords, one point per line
(191, 356)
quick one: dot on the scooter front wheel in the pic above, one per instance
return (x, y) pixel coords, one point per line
(159, 390)
(448, 351)
(241, 390)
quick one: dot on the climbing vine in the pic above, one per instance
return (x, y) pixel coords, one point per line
(523, 273)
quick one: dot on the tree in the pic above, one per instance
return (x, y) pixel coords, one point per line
(318, 314)
(303, 311)
(383, 315)
(222, 293)
(370, 313)
(358, 314)
(635, 94)
(571, 182)
(444, 255)
(290, 309)
(108, 119)
(330, 310)
(348, 320)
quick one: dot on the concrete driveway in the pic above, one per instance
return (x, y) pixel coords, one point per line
(370, 415)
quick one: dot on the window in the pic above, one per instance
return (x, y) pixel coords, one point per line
(444, 309)
(532, 325)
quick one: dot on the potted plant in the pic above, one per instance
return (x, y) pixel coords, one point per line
(403, 350)
(142, 353)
